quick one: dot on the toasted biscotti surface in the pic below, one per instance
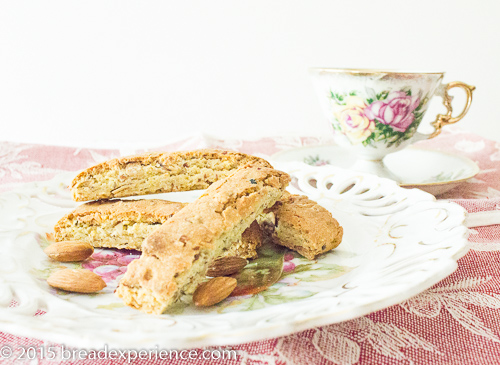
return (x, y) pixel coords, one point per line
(305, 226)
(115, 223)
(126, 224)
(176, 256)
(158, 172)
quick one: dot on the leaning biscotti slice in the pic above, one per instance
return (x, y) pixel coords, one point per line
(305, 226)
(115, 223)
(158, 172)
(176, 256)
(125, 224)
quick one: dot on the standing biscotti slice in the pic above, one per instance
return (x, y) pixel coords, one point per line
(158, 172)
(305, 226)
(115, 223)
(176, 256)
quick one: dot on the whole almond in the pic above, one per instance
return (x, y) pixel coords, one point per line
(76, 280)
(66, 251)
(213, 291)
(224, 266)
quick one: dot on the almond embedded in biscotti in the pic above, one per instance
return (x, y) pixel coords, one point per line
(76, 280)
(225, 266)
(67, 251)
(214, 291)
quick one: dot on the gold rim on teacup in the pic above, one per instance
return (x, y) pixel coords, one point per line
(367, 71)
(377, 112)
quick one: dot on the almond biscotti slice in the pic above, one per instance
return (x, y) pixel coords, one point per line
(115, 223)
(176, 256)
(126, 223)
(158, 172)
(305, 226)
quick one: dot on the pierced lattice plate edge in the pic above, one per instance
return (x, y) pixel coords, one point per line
(276, 323)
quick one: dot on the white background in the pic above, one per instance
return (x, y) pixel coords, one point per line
(140, 73)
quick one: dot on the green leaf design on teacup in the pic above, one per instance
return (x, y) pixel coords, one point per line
(389, 117)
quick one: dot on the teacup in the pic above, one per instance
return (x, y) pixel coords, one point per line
(377, 112)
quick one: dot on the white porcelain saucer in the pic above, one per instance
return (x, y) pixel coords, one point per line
(432, 171)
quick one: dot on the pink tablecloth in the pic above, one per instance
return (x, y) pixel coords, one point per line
(455, 322)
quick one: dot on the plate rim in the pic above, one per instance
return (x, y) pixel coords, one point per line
(277, 329)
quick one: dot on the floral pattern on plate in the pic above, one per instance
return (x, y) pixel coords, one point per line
(262, 282)
(272, 279)
(110, 264)
(387, 268)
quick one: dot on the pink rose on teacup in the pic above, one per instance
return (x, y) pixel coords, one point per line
(353, 121)
(396, 110)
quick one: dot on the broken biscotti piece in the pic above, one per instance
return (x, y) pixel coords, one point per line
(247, 246)
(158, 172)
(175, 257)
(126, 224)
(115, 223)
(305, 226)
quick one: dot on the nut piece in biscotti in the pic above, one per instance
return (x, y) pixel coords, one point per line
(158, 172)
(115, 223)
(247, 246)
(305, 226)
(175, 257)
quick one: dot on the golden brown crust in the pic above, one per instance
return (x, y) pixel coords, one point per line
(105, 215)
(176, 256)
(305, 226)
(115, 223)
(143, 210)
(158, 172)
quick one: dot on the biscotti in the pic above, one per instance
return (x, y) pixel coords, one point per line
(115, 223)
(305, 226)
(125, 224)
(158, 172)
(251, 239)
(176, 256)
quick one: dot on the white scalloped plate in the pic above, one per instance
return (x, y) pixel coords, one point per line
(435, 172)
(397, 243)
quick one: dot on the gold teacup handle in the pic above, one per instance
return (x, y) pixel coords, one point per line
(447, 119)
